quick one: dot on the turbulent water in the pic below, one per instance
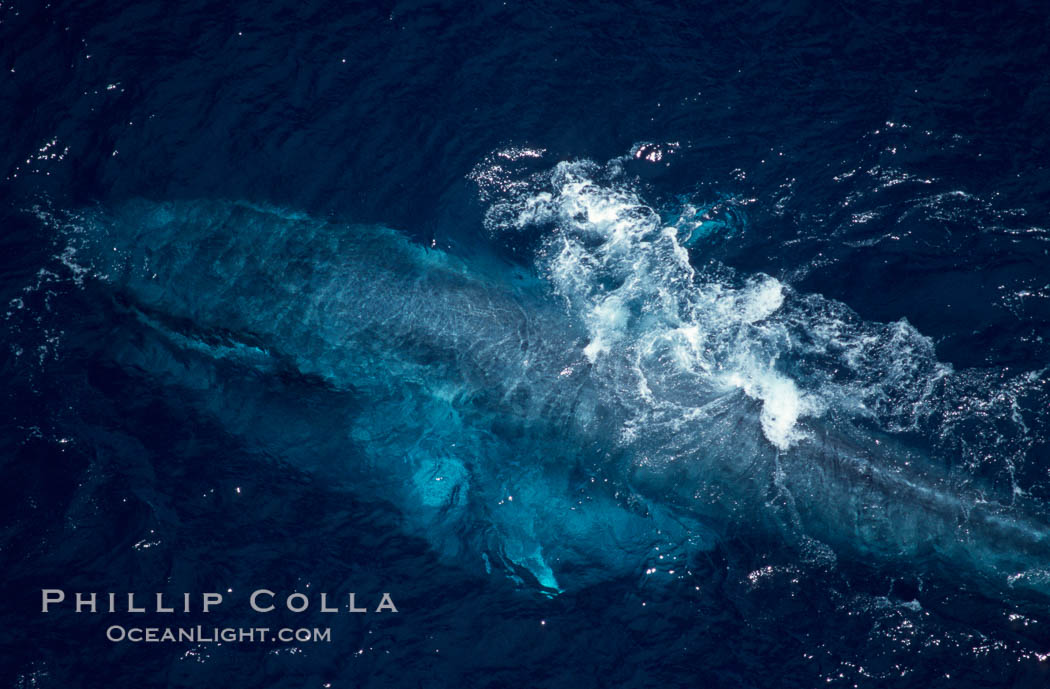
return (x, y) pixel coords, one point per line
(685, 353)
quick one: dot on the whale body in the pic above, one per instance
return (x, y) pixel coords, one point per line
(442, 364)
(607, 412)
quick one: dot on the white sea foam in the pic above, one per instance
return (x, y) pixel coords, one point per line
(684, 327)
(630, 280)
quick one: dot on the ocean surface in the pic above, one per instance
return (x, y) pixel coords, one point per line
(621, 344)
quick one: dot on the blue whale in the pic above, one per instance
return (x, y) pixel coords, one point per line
(566, 423)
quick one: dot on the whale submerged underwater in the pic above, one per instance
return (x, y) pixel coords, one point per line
(611, 410)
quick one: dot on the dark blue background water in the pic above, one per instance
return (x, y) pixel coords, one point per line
(850, 127)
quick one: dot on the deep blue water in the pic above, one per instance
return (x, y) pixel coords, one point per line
(746, 306)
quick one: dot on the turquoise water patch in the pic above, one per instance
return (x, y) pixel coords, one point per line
(696, 223)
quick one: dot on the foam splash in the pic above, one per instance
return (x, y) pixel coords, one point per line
(637, 280)
(628, 277)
